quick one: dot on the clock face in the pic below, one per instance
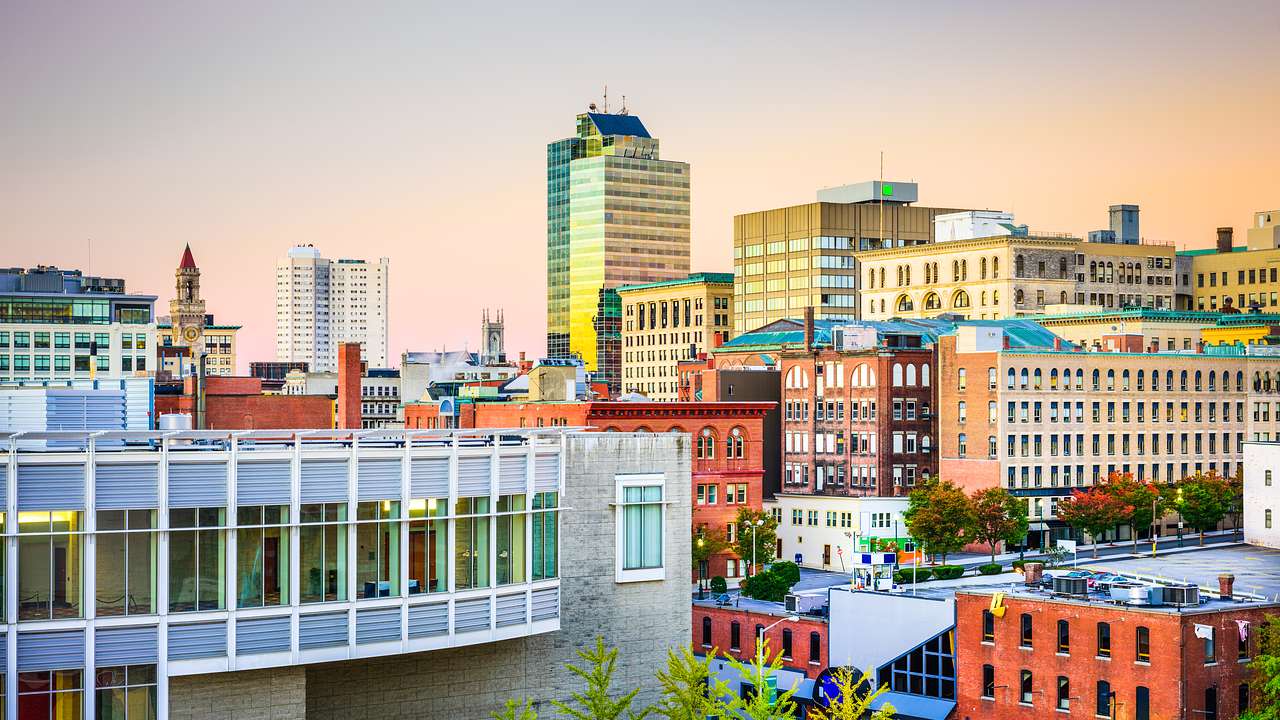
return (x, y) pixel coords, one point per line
(190, 334)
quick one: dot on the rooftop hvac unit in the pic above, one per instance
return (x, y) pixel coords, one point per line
(1181, 595)
(791, 603)
(1075, 586)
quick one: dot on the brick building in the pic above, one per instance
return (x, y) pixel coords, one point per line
(1050, 655)
(733, 632)
(728, 446)
(238, 403)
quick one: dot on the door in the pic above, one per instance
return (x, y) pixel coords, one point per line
(826, 555)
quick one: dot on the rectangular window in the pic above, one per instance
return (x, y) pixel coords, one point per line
(511, 545)
(52, 694)
(50, 571)
(125, 692)
(125, 576)
(378, 548)
(1142, 644)
(197, 559)
(262, 556)
(639, 528)
(988, 626)
(1025, 693)
(988, 681)
(322, 552)
(1104, 640)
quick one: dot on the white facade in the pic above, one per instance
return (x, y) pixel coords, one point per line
(321, 303)
(56, 351)
(972, 224)
(826, 531)
(1262, 494)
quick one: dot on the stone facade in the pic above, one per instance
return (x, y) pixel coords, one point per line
(277, 694)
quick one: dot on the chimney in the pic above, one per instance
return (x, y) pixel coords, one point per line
(1224, 239)
(808, 328)
(1006, 344)
(349, 386)
(1057, 343)
(1226, 581)
(1032, 572)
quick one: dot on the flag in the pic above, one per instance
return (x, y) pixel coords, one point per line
(1204, 631)
(1243, 625)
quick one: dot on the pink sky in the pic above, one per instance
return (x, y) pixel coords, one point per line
(418, 130)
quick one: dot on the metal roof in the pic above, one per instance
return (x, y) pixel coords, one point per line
(618, 124)
(1022, 333)
(702, 277)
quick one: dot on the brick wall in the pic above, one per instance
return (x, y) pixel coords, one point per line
(721, 639)
(247, 412)
(975, 470)
(276, 694)
(349, 373)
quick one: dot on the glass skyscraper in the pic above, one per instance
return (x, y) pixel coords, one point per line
(616, 215)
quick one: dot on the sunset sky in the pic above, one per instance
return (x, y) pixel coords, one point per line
(417, 130)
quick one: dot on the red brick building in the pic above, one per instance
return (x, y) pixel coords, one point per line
(1053, 656)
(733, 631)
(728, 446)
(237, 403)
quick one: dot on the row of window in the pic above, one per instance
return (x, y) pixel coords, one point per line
(788, 641)
(68, 363)
(1200, 381)
(41, 340)
(1188, 443)
(1034, 475)
(1027, 411)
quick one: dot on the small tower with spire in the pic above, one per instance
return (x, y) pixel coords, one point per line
(492, 347)
(186, 309)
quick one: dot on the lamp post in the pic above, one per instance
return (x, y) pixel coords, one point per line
(702, 569)
(1179, 502)
(754, 524)
(765, 629)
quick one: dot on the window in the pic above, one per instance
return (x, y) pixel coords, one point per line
(1102, 708)
(706, 632)
(1210, 644)
(1064, 637)
(1025, 638)
(1104, 640)
(639, 530)
(1064, 693)
(1242, 703)
(786, 643)
(511, 548)
(125, 577)
(378, 548)
(815, 648)
(51, 694)
(322, 552)
(1210, 704)
(125, 692)
(262, 556)
(735, 635)
(1142, 703)
(471, 543)
(1143, 644)
(196, 572)
(988, 626)
(988, 681)
(545, 521)
(50, 571)
(1025, 690)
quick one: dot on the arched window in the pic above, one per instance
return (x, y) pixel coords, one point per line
(1097, 380)
(897, 375)
(882, 279)
(1023, 376)
(924, 375)
(734, 444)
(1093, 271)
(995, 297)
(1012, 376)
(1239, 381)
(706, 444)
(1111, 380)
(964, 269)
(911, 375)
(926, 444)
(932, 302)
(871, 279)
(1017, 296)
(955, 270)
(907, 272)
(1124, 381)
(904, 304)
(983, 298)
(982, 269)
(1168, 381)
(1079, 378)
(1182, 381)
(1036, 379)
(1200, 378)
(1053, 379)
(1213, 381)
(1062, 297)
(899, 276)
(960, 299)
(995, 268)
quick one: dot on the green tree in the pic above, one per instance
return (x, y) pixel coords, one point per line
(1141, 496)
(690, 691)
(1093, 511)
(765, 537)
(516, 710)
(1205, 499)
(765, 703)
(998, 517)
(596, 702)
(940, 516)
(854, 699)
(706, 542)
(1264, 673)
(772, 584)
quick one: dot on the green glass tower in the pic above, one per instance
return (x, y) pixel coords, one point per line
(616, 215)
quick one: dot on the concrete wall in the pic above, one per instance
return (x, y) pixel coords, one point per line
(643, 619)
(1260, 496)
(277, 694)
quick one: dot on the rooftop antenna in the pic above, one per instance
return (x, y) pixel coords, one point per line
(623, 111)
(882, 201)
(606, 98)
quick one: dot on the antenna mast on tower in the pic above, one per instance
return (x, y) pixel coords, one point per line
(606, 98)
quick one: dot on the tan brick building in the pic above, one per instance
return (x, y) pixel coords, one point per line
(666, 322)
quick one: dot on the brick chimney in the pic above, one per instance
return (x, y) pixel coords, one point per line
(349, 386)
(1032, 572)
(808, 328)
(1224, 239)
(1226, 582)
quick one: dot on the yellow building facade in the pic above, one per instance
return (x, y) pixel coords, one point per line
(1167, 330)
(1239, 278)
(219, 344)
(666, 322)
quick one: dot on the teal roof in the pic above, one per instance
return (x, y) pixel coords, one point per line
(714, 278)
(1209, 251)
(1136, 314)
(1248, 319)
(786, 334)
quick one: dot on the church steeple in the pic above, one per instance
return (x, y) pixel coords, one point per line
(186, 310)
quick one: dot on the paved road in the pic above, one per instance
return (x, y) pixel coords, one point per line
(1121, 549)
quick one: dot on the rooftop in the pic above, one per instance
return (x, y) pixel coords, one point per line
(713, 278)
(789, 333)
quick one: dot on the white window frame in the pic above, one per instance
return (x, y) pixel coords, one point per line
(621, 482)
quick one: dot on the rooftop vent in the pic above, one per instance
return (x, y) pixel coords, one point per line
(1072, 586)
(1181, 595)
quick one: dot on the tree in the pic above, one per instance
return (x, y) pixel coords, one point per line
(765, 703)
(1264, 673)
(690, 691)
(939, 515)
(597, 702)
(765, 537)
(1140, 496)
(773, 584)
(1205, 499)
(516, 710)
(853, 699)
(998, 517)
(706, 542)
(1093, 511)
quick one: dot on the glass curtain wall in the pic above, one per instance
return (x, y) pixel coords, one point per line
(545, 535)
(428, 545)
(322, 552)
(197, 559)
(49, 565)
(511, 543)
(125, 692)
(471, 543)
(378, 549)
(125, 562)
(262, 556)
(51, 695)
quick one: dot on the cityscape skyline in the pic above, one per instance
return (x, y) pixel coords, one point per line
(200, 141)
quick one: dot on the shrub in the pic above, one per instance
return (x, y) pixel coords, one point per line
(718, 585)
(948, 572)
(772, 584)
(990, 568)
(904, 576)
(1017, 564)
(787, 571)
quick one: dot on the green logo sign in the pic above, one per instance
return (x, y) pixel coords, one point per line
(886, 190)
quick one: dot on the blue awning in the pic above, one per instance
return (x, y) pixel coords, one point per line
(915, 707)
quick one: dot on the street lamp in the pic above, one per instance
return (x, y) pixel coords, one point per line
(754, 524)
(767, 628)
(702, 569)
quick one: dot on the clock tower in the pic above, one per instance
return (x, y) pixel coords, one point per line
(186, 310)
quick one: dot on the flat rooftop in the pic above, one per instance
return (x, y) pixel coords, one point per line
(1257, 569)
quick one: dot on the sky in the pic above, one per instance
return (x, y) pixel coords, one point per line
(417, 130)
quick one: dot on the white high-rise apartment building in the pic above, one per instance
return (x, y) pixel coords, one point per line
(321, 303)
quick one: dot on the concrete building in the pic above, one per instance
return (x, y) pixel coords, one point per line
(218, 341)
(1169, 330)
(617, 215)
(666, 322)
(434, 375)
(1262, 493)
(379, 393)
(1043, 418)
(824, 532)
(321, 303)
(1234, 278)
(353, 569)
(790, 258)
(1035, 654)
(63, 325)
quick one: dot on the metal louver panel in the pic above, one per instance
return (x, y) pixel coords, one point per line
(50, 650)
(4, 484)
(546, 473)
(198, 640)
(470, 615)
(322, 630)
(262, 635)
(429, 477)
(125, 646)
(428, 620)
(197, 485)
(473, 476)
(324, 481)
(510, 610)
(378, 479)
(126, 487)
(50, 487)
(546, 603)
(262, 483)
(511, 474)
(377, 625)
